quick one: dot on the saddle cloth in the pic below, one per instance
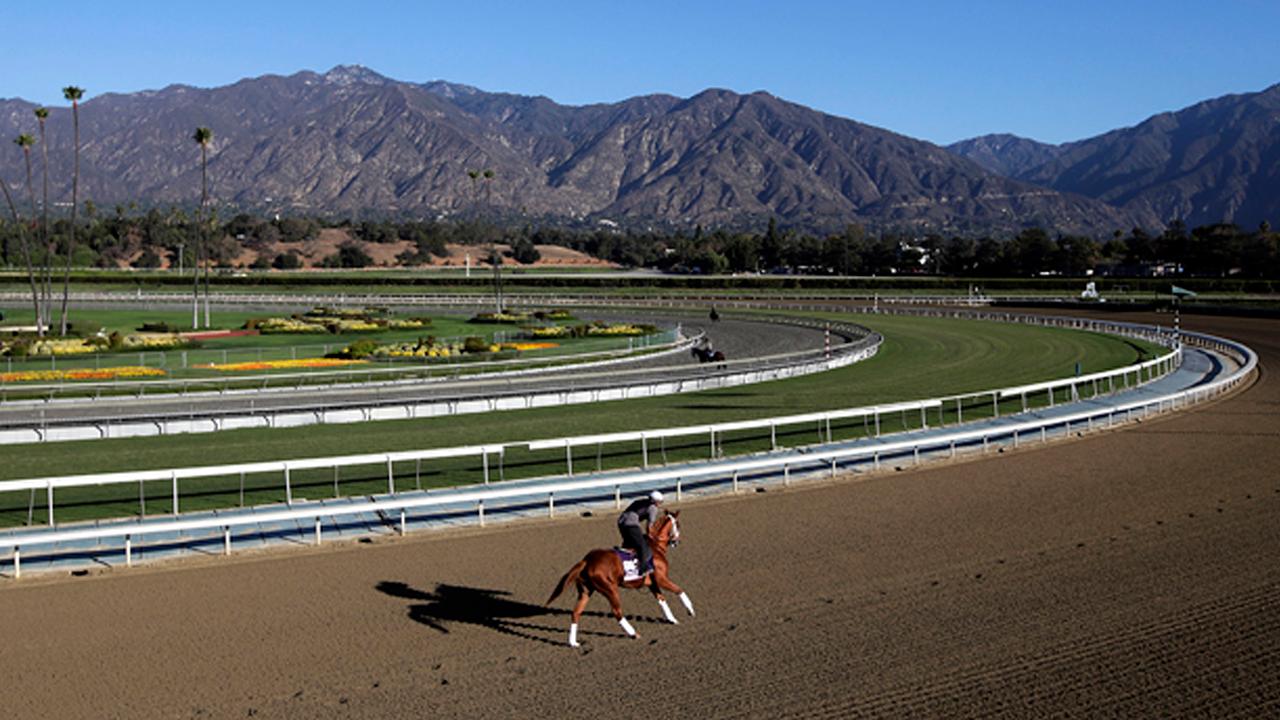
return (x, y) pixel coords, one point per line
(630, 564)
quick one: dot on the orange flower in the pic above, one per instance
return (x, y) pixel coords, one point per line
(281, 364)
(110, 373)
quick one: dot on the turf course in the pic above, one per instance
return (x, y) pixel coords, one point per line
(920, 358)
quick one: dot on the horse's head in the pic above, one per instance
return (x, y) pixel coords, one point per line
(667, 531)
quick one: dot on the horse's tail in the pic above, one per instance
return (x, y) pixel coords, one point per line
(569, 577)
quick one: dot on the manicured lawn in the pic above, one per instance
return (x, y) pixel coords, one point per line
(921, 358)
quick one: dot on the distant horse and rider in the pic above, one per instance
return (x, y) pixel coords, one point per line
(706, 354)
(603, 571)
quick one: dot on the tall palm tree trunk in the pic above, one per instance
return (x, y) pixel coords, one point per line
(25, 142)
(46, 281)
(73, 94)
(26, 252)
(204, 223)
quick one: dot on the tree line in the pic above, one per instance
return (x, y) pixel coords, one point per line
(146, 239)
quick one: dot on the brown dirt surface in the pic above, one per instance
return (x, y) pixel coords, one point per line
(1133, 573)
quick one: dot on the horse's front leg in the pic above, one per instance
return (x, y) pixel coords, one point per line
(665, 583)
(654, 585)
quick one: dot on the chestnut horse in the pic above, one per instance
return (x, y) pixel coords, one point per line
(601, 571)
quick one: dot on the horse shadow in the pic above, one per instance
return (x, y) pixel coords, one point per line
(493, 609)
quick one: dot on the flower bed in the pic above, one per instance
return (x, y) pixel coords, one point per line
(111, 373)
(417, 350)
(277, 326)
(152, 342)
(329, 320)
(504, 318)
(527, 346)
(281, 364)
(551, 331)
(620, 329)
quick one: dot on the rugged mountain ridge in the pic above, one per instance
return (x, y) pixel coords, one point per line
(1005, 154)
(1215, 161)
(351, 140)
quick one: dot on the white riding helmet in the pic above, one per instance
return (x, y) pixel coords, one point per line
(656, 496)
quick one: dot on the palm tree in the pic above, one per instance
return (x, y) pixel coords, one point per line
(46, 283)
(72, 93)
(203, 136)
(26, 252)
(25, 142)
(495, 258)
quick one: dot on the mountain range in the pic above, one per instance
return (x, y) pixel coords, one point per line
(1216, 161)
(351, 141)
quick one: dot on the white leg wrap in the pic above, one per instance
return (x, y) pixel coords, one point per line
(573, 635)
(627, 627)
(666, 611)
(688, 604)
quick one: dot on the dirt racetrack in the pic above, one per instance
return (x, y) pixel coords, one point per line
(1130, 574)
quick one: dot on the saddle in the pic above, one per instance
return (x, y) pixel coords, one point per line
(630, 564)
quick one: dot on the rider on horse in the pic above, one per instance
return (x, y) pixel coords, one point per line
(635, 537)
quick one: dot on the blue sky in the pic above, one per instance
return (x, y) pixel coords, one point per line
(940, 71)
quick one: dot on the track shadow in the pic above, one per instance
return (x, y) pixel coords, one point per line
(493, 609)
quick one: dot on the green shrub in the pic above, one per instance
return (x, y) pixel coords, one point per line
(157, 327)
(359, 349)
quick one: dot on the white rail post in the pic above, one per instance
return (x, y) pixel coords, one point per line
(17, 562)
(403, 523)
(877, 417)
(128, 551)
(644, 451)
(995, 405)
(786, 475)
(713, 443)
(288, 488)
(242, 488)
(924, 419)
(568, 457)
(317, 531)
(617, 497)
(226, 540)
(679, 495)
(480, 511)
(551, 504)
(959, 410)
(735, 481)
(773, 436)
(49, 493)
(391, 475)
(174, 476)
(1015, 437)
